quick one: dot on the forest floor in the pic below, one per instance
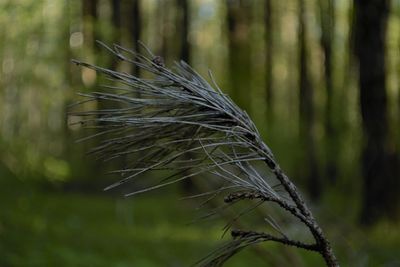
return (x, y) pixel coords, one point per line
(55, 228)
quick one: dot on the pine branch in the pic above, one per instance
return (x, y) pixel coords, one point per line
(180, 122)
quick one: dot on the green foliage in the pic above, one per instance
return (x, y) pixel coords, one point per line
(33, 82)
(37, 82)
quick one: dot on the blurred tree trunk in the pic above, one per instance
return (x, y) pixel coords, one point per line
(163, 13)
(349, 68)
(67, 79)
(327, 20)
(91, 34)
(268, 59)
(239, 21)
(184, 25)
(89, 13)
(381, 187)
(183, 22)
(116, 19)
(307, 136)
(116, 22)
(135, 27)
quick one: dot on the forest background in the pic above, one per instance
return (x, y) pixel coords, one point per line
(320, 78)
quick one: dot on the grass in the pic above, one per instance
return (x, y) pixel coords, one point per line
(77, 230)
(42, 228)
(54, 228)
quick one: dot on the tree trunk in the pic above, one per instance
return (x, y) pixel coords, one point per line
(89, 13)
(183, 22)
(163, 13)
(380, 196)
(239, 20)
(327, 20)
(268, 60)
(135, 28)
(184, 19)
(346, 86)
(310, 166)
(116, 19)
(116, 22)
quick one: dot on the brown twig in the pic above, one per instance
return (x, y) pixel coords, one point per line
(268, 237)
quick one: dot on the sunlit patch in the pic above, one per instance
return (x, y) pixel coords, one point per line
(76, 39)
(56, 170)
(88, 76)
